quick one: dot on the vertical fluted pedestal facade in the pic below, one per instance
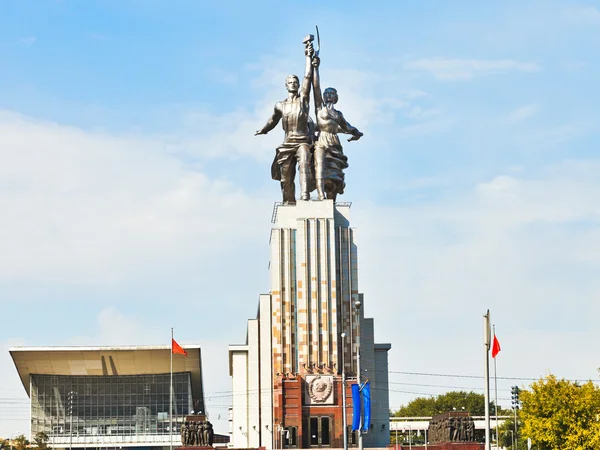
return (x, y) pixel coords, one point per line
(314, 286)
(287, 377)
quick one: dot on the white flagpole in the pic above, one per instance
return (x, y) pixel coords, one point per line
(486, 344)
(496, 396)
(171, 398)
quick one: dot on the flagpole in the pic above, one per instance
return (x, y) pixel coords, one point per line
(496, 396)
(486, 344)
(171, 397)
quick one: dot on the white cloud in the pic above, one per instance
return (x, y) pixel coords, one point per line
(223, 76)
(424, 127)
(420, 113)
(466, 69)
(523, 112)
(100, 207)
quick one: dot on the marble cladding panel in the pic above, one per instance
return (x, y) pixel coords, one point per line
(302, 285)
(313, 305)
(314, 271)
(266, 361)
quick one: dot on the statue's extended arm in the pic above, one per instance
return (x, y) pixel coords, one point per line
(317, 84)
(272, 122)
(345, 127)
(308, 72)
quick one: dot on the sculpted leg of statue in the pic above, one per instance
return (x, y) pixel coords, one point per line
(304, 167)
(288, 188)
(319, 157)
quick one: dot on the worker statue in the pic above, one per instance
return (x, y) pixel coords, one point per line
(293, 112)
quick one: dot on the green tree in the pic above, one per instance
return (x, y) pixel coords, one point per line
(454, 400)
(20, 442)
(506, 435)
(419, 407)
(4, 444)
(41, 440)
(561, 414)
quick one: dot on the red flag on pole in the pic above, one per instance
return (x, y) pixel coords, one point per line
(495, 347)
(177, 349)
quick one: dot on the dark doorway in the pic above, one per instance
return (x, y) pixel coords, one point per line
(319, 429)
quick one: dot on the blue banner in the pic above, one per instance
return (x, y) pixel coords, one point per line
(355, 407)
(366, 393)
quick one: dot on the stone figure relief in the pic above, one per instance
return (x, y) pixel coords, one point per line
(199, 434)
(184, 433)
(451, 429)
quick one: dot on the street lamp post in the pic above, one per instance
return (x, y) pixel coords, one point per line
(345, 425)
(358, 374)
(515, 403)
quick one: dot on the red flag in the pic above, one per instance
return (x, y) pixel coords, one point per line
(495, 347)
(177, 349)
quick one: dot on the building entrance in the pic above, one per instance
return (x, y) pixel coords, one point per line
(319, 431)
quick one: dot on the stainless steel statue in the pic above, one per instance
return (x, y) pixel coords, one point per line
(296, 147)
(321, 164)
(329, 158)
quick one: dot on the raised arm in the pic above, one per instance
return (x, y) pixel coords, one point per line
(317, 84)
(308, 72)
(272, 122)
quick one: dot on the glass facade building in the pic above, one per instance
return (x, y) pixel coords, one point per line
(110, 397)
(107, 405)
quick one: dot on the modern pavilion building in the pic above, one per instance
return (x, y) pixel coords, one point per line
(111, 397)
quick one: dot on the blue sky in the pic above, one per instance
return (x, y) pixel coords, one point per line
(134, 196)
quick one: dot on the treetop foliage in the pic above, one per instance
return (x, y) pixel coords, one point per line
(561, 414)
(455, 400)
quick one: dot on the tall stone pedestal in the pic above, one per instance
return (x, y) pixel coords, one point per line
(287, 387)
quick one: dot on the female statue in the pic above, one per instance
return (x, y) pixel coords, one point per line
(329, 158)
